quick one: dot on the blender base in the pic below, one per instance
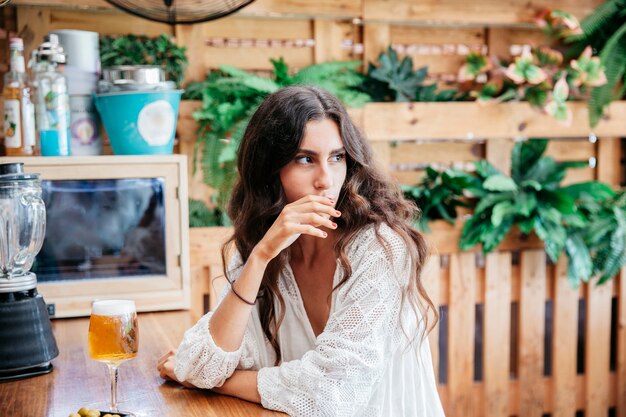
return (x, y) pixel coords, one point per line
(14, 374)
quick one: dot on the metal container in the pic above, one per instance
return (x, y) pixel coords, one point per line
(134, 78)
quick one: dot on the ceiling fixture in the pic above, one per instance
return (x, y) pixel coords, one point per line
(176, 12)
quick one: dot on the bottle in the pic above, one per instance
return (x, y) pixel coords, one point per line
(19, 113)
(52, 113)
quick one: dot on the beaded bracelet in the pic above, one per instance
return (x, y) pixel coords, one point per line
(232, 288)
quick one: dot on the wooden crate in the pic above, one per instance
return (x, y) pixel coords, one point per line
(407, 137)
(249, 44)
(481, 12)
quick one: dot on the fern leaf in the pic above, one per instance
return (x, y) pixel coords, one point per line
(613, 57)
(316, 72)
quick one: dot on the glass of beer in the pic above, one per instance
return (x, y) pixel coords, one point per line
(113, 337)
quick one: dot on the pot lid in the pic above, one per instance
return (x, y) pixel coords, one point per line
(14, 171)
(127, 74)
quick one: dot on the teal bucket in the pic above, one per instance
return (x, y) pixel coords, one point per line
(140, 122)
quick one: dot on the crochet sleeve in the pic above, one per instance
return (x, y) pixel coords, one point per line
(201, 362)
(351, 354)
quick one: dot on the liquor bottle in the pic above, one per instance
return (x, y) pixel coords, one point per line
(52, 102)
(19, 112)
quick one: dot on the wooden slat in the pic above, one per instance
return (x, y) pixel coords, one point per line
(329, 35)
(547, 386)
(357, 117)
(253, 58)
(445, 237)
(499, 154)
(192, 38)
(431, 279)
(472, 120)
(575, 175)
(531, 337)
(438, 64)
(432, 121)
(408, 35)
(461, 333)
(621, 344)
(597, 348)
(500, 39)
(205, 246)
(609, 161)
(329, 8)
(564, 343)
(497, 328)
(382, 155)
(571, 150)
(376, 39)
(486, 12)
(407, 177)
(237, 27)
(414, 153)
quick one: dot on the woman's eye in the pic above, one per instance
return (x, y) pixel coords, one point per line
(339, 157)
(303, 159)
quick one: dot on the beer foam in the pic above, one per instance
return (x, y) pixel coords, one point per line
(112, 307)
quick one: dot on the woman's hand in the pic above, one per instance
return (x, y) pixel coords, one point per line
(165, 366)
(304, 216)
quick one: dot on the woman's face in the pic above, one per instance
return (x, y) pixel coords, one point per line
(319, 166)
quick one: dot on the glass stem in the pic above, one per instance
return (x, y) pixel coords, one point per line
(113, 374)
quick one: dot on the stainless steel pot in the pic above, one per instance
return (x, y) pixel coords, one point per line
(134, 77)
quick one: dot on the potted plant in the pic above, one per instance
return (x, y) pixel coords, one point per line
(587, 220)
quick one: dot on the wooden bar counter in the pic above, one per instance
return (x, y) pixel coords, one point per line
(78, 381)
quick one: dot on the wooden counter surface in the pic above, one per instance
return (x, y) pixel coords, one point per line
(78, 381)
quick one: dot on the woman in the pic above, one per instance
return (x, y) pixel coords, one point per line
(326, 313)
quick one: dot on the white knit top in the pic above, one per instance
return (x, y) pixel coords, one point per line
(362, 364)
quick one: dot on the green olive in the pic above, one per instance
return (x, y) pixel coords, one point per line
(83, 411)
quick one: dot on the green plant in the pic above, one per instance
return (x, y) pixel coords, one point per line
(587, 220)
(143, 50)
(603, 235)
(603, 32)
(395, 80)
(229, 98)
(540, 76)
(439, 194)
(531, 199)
(201, 216)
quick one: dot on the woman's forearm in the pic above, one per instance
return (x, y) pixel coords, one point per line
(242, 384)
(228, 323)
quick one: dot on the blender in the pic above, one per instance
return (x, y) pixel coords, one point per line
(27, 344)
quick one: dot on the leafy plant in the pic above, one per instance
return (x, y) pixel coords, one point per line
(604, 33)
(533, 200)
(603, 235)
(229, 98)
(201, 216)
(439, 194)
(395, 80)
(143, 50)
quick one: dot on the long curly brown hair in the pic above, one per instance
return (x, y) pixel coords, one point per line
(368, 196)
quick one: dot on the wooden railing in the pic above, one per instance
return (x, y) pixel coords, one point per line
(515, 339)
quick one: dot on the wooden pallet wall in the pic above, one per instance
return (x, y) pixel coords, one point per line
(516, 343)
